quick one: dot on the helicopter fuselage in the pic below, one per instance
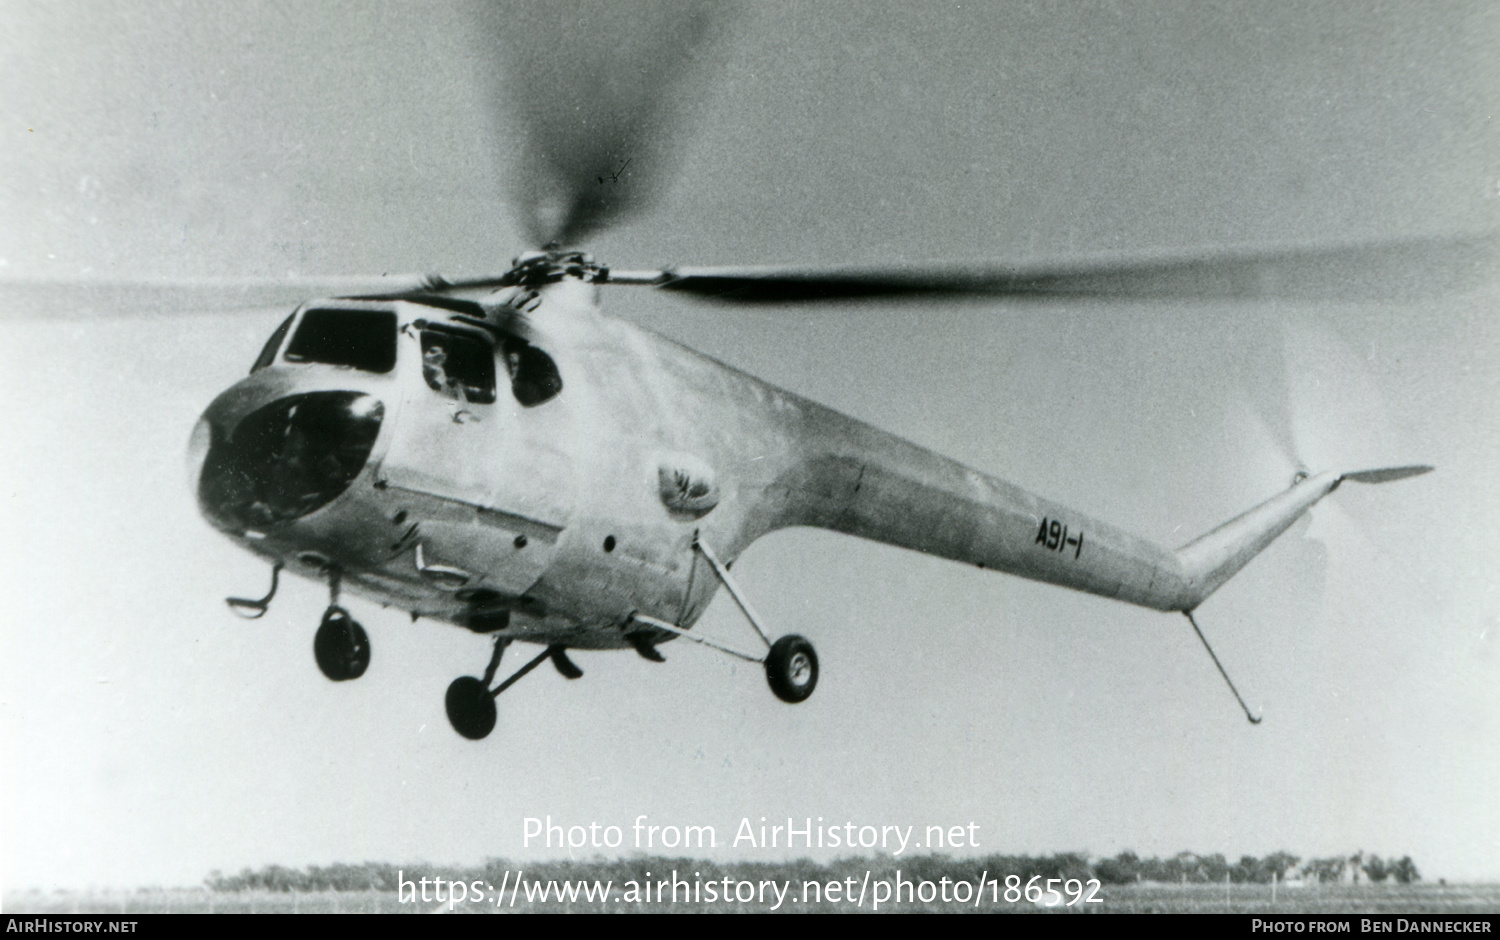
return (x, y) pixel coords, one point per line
(546, 473)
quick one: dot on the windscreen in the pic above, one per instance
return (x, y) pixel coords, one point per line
(268, 352)
(359, 339)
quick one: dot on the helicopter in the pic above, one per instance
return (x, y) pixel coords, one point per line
(503, 455)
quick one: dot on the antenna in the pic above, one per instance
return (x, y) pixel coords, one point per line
(1237, 697)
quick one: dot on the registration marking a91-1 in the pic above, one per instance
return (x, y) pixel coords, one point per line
(1053, 536)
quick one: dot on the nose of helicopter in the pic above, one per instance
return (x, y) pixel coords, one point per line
(282, 460)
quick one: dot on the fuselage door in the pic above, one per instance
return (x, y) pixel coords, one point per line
(446, 468)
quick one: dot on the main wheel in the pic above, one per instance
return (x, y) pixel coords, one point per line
(341, 646)
(471, 707)
(792, 669)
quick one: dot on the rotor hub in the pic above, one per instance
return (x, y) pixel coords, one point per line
(550, 265)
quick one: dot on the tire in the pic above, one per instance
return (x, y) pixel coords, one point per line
(341, 646)
(471, 708)
(792, 669)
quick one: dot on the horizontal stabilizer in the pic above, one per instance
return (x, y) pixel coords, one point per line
(1387, 474)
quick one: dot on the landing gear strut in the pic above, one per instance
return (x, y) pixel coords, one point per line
(791, 663)
(470, 702)
(341, 646)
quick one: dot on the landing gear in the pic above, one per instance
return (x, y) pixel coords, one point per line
(792, 669)
(471, 708)
(791, 663)
(470, 702)
(341, 646)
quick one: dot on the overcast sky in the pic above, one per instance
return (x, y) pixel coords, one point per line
(149, 736)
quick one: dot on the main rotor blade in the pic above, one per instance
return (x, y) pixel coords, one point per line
(145, 296)
(1350, 272)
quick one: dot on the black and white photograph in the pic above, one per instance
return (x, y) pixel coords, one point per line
(757, 457)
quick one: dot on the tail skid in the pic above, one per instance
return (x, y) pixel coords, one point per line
(1209, 561)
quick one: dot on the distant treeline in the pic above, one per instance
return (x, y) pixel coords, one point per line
(1124, 868)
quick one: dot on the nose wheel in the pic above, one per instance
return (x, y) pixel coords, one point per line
(341, 646)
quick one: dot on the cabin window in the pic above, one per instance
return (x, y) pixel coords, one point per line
(534, 378)
(268, 352)
(459, 365)
(357, 339)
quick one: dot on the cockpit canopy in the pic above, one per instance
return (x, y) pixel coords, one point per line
(457, 360)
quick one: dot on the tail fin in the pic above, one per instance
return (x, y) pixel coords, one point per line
(1209, 561)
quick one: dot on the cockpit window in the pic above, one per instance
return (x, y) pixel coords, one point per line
(361, 339)
(460, 365)
(268, 352)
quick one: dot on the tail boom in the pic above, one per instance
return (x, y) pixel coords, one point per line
(895, 492)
